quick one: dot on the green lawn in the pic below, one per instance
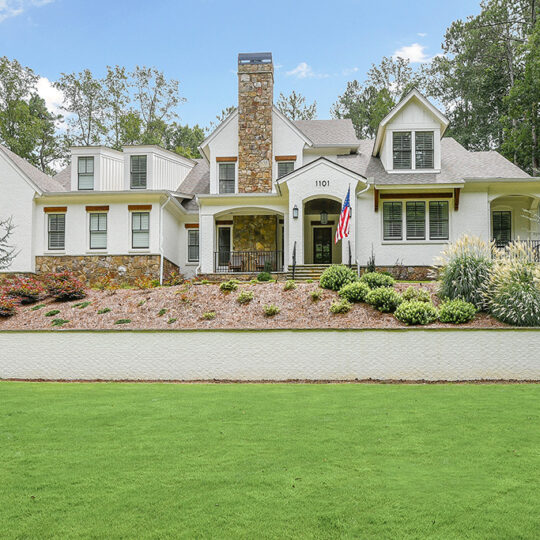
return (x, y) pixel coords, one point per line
(269, 461)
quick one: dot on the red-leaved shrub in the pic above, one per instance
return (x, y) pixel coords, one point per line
(27, 289)
(64, 286)
(7, 306)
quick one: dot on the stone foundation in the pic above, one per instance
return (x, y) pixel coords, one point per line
(116, 268)
(412, 273)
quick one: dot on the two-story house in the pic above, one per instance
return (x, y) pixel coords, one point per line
(267, 194)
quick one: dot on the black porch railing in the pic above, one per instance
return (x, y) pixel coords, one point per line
(248, 261)
(534, 246)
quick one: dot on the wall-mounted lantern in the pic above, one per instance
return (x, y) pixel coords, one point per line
(324, 217)
(295, 212)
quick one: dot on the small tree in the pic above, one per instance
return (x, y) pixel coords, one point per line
(294, 106)
(7, 251)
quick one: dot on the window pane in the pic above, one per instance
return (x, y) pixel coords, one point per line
(392, 221)
(226, 177)
(424, 149)
(502, 226)
(138, 172)
(140, 229)
(86, 173)
(438, 220)
(193, 245)
(402, 150)
(141, 239)
(285, 167)
(56, 231)
(416, 220)
(98, 231)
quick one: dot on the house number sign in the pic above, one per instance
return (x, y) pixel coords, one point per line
(322, 183)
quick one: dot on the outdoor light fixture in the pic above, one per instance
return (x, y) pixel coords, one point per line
(295, 212)
(324, 217)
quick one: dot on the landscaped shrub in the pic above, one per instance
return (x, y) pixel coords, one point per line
(416, 312)
(463, 270)
(27, 289)
(172, 320)
(145, 282)
(456, 311)
(228, 286)
(81, 305)
(512, 293)
(52, 313)
(354, 292)
(290, 285)
(103, 311)
(416, 293)
(162, 312)
(64, 286)
(35, 308)
(245, 297)
(174, 279)
(377, 279)
(59, 322)
(8, 306)
(336, 276)
(271, 309)
(209, 315)
(343, 306)
(384, 299)
(264, 276)
(315, 295)
(122, 321)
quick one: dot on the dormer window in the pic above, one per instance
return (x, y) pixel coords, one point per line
(402, 150)
(138, 172)
(423, 145)
(85, 170)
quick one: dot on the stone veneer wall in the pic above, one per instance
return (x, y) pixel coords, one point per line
(255, 101)
(117, 268)
(254, 233)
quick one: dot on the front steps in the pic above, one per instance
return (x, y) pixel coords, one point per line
(303, 272)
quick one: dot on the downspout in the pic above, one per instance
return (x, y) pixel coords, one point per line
(161, 238)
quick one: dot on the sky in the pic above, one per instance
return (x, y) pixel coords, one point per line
(317, 46)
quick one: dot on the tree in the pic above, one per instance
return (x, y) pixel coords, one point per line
(185, 140)
(116, 102)
(295, 108)
(7, 251)
(85, 105)
(220, 118)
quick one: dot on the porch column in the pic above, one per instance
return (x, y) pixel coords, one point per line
(285, 241)
(206, 243)
(352, 234)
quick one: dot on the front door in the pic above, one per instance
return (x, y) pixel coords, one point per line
(322, 245)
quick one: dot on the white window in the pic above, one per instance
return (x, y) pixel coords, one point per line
(227, 173)
(401, 146)
(424, 150)
(98, 231)
(392, 221)
(416, 220)
(56, 231)
(423, 144)
(138, 172)
(284, 167)
(85, 169)
(140, 230)
(438, 220)
(193, 245)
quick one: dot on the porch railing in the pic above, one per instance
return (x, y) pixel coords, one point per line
(248, 261)
(534, 245)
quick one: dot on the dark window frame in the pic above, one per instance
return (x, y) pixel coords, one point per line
(443, 222)
(86, 160)
(62, 230)
(424, 150)
(225, 183)
(387, 218)
(401, 146)
(193, 232)
(281, 164)
(414, 206)
(137, 174)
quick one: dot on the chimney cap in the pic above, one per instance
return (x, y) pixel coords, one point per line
(255, 58)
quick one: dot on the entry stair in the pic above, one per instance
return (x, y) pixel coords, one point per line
(303, 272)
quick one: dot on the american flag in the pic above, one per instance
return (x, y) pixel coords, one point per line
(344, 224)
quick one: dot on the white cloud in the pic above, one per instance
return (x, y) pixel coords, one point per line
(305, 71)
(12, 8)
(52, 96)
(421, 34)
(414, 53)
(349, 71)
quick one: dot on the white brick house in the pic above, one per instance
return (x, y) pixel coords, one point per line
(267, 192)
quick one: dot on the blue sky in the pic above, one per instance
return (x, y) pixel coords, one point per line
(317, 46)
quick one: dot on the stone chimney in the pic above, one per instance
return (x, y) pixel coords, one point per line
(255, 101)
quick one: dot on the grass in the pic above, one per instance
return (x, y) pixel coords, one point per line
(269, 461)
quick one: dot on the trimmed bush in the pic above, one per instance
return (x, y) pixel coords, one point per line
(463, 269)
(336, 276)
(103, 311)
(162, 312)
(122, 321)
(59, 322)
(456, 311)
(27, 289)
(271, 309)
(172, 320)
(82, 305)
(416, 293)
(264, 276)
(512, 293)
(52, 313)
(354, 292)
(416, 312)
(343, 306)
(290, 285)
(384, 299)
(245, 297)
(315, 295)
(375, 280)
(64, 286)
(209, 315)
(8, 306)
(228, 286)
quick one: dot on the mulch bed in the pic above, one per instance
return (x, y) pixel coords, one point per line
(187, 304)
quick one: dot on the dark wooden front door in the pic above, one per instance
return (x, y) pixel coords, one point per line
(322, 245)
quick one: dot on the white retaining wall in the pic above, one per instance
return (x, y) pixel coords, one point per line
(409, 354)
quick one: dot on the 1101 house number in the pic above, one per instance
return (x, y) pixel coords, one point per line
(322, 183)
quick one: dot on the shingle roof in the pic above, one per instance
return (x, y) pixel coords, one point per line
(195, 183)
(40, 179)
(64, 177)
(456, 164)
(328, 132)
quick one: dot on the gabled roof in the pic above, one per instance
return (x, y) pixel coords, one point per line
(39, 179)
(339, 132)
(414, 94)
(284, 179)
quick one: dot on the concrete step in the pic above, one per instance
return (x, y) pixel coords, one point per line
(304, 272)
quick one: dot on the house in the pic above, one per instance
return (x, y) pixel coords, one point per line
(267, 194)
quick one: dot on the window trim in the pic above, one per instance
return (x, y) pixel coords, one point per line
(413, 168)
(132, 214)
(79, 174)
(394, 239)
(447, 202)
(90, 214)
(235, 180)
(189, 232)
(412, 140)
(284, 162)
(432, 150)
(48, 217)
(421, 204)
(138, 156)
